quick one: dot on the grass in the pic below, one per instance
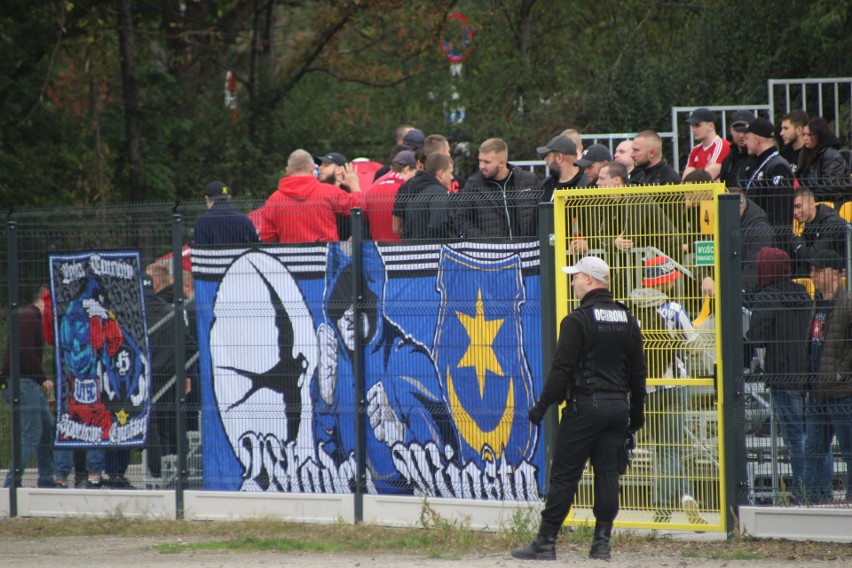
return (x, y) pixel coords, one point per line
(436, 537)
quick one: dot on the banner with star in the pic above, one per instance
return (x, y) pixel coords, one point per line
(101, 350)
(452, 337)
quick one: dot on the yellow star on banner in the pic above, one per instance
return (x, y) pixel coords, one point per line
(480, 353)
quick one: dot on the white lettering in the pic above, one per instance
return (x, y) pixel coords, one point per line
(115, 268)
(618, 316)
(72, 272)
(79, 432)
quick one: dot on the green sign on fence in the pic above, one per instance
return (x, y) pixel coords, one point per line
(704, 253)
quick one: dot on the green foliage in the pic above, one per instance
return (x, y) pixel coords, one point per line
(341, 75)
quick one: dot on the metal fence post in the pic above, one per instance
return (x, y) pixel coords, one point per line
(357, 222)
(731, 341)
(14, 385)
(180, 362)
(547, 279)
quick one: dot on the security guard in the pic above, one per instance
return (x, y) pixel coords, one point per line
(599, 370)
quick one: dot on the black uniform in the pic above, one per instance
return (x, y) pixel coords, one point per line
(599, 368)
(768, 181)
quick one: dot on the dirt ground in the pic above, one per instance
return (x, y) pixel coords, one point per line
(129, 552)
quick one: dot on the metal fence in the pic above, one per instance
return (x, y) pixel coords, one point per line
(456, 309)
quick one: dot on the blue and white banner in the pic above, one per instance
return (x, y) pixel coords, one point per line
(451, 358)
(101, 350)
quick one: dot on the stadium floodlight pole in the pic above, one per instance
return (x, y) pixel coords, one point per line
(357, 223)
(14, 385)
(180, 362)
(547, 279)
(730, 292)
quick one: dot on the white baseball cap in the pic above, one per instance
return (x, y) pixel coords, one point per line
(591, 265)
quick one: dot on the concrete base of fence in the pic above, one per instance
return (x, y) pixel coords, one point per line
(290, 507)
(54, 503)
(478, 515)
(797, 523)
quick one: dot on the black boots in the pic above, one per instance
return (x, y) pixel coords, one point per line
(601, 541)
(542, 548)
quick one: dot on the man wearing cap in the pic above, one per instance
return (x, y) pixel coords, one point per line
(333, 169)
(593, 158)
(711, 148)
(414, 138)
(303, 209)
(668, 324)
(222, 224)
(651, 168)
(768, 181)
(560, 155)
(792, 135)
(599, 371)
(379, 197)
(500, 199)
(738, 157)
(829, 386)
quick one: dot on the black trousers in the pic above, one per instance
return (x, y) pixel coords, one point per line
(593, 427)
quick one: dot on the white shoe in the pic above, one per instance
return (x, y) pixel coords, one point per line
(690, 507)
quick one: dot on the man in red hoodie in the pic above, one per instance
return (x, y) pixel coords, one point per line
(303, 209)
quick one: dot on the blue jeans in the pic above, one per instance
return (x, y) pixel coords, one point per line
(831, 417)
(666, 423)
(789, 412)
(37, 431)
(819, 464)
(65, 458)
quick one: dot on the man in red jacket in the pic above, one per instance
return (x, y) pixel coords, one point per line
(303, 209)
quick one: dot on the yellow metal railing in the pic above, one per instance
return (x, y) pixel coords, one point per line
(660, 243)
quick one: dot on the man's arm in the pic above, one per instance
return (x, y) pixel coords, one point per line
(268, 232)
(714, 170)
(397, 224)
(637, 374)
(565, 361)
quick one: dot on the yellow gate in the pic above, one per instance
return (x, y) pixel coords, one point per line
(660, 243)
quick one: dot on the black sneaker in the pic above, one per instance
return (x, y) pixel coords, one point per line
(119, 482)
(93, 484)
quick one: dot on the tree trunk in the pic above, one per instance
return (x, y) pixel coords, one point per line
(130, 92)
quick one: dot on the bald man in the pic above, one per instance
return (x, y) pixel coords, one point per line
(303, 209)
(651, 168)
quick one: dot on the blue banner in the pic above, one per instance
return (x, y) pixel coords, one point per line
(448, 381)
(101, 350)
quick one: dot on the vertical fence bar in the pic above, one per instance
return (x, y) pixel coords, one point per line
(14, 385)
(357, 221)
(848, 257)
(180, 362)
(732, 388)
(547, 279)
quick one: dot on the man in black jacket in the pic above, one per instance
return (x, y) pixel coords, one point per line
(499, 200)
(768, 181)
(560, 155)
(778, 333)
(427, 212)
(599, 371)
(651, 168)
(738, 158)
(222, 224)
(824, 229)
(756, 234)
